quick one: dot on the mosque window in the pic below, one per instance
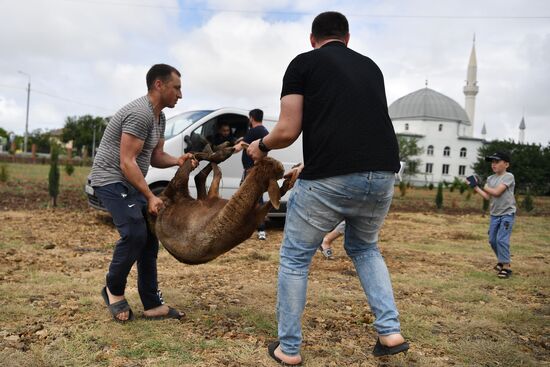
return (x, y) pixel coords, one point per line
(430, 150)
(461, 170)
(463, 152)
(446, 152)
(445, 170)
(440, 127)
(406, 126)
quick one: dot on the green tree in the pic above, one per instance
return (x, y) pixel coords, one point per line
(4, 174)
(80, 130)
(485, 205)
(69, 168)
(41, 139)
(402, 188)
(408, 150)
(439, 196)
(3, 133)
(530, 164)
(527, 203)
(53, 176)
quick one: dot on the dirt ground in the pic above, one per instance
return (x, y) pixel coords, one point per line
(454, 310)
(52, 264)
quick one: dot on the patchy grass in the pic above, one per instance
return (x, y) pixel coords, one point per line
(454, 310)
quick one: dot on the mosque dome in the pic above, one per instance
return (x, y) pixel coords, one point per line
(427, 104)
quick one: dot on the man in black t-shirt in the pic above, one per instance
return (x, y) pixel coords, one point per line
(257, 131)
(223, 134)
(336, 98)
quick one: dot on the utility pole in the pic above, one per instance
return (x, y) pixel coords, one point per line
(27, 119)
(93, 142)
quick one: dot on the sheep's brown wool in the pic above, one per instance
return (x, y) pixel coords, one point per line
(196, 231)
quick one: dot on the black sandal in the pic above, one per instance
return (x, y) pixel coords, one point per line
(117, 307)
(271, 351)
(172, 314)
(498, 267)
(504, 273)
(382, 350)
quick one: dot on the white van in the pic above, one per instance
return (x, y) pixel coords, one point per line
(178, 137)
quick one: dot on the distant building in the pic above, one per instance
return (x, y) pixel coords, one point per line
(443, 128)
(56, 134)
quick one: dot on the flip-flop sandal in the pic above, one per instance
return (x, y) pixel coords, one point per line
(117, 307)
(271, 350)
(172, 314)
(504, 273)
(382, 350)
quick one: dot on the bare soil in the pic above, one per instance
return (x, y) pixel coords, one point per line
(53, 262)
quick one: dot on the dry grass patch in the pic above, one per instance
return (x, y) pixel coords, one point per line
(454, 309)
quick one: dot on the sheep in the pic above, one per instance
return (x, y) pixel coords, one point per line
(196, 231)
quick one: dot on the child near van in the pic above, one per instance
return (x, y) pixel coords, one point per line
(499, 189)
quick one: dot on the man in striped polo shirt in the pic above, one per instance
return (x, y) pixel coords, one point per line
(133, 140)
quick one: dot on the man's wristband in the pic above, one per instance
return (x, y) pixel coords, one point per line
(262, 146)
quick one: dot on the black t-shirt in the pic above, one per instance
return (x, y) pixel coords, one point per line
(220, 139)
(346, 126)
(252, 134)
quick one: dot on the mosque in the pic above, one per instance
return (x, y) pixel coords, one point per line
(443, 129)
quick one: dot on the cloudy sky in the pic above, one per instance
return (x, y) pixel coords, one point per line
(91, 56)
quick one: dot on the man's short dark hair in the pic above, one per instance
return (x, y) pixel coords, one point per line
(256, 114)
(160, 71)
(330, 24)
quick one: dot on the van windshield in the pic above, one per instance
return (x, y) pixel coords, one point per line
(176, 124)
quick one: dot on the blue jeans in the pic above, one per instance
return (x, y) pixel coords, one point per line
(314, 208)
(128, 207)
(500, 229)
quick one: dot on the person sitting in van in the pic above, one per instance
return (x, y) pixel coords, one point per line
(223, 134)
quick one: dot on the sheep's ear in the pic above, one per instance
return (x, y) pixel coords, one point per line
(274, 194)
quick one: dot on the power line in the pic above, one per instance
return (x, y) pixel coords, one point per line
(71, 100)
(295, 13)
(58, 97)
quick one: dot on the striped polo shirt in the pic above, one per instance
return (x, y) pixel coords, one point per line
(138, 119)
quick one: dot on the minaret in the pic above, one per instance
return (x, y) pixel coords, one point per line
(522, 131)
(471, 88)
(483, 131)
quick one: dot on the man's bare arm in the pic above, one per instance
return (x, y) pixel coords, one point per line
(287, 129)
(130, 147)
(161, 159)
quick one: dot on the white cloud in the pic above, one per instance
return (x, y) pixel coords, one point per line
(97, 54)
(238, 60)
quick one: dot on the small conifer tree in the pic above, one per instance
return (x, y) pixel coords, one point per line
(69, 168)
(439, 196)
(485, 205)
(4, 175)
(53, 176)
(527, 203)
(402, 188)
